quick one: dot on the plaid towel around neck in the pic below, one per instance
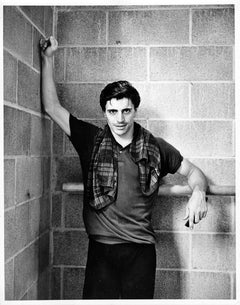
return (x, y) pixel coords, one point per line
(103, 170)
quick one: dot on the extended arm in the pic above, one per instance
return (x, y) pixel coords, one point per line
(50, 99)
(197, 206)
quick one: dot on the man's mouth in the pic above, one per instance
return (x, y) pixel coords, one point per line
(120, 126)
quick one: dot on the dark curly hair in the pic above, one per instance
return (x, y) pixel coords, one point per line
(119, 90)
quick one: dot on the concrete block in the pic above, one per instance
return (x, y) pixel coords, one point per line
(57, 140)
(213, 100)
(34, 219)
(73, 205)
(191, 63)
(44, 243)
(10, 77)
(73, 281)
(46, 166)
(164, 101)
(218, 171)
(70, 248)
(28, 87)
(59, 62)
(9, 234)
(40, 136)
(82, 100)
(213, 252)
(168, 213)
(26, 269)
(22, 234)
(16, 131)
(213, 26)
(209, 285)
(18, 229)
(36, 51)
(65, 170)
(106, 64)
(17, 35)
(48, 20)
(9, 183)
(56, 210)
(36, 14)
(149, 27)
(29, 178)
(56, 283)
(9, 278)
(82, 28)
(172, 250)
(196, 138)
(171, 284)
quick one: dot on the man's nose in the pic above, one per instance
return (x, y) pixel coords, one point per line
(120, 117)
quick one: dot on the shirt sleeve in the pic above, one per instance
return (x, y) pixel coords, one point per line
(171, 158)
(82, 136)
(82, 133)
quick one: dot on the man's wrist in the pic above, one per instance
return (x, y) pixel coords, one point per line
(199, 190)
(47, 60)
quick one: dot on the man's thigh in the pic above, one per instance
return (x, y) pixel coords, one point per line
(101, 275)
(138, 273)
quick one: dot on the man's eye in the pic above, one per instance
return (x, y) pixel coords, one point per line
(126, 111)
(112, 111)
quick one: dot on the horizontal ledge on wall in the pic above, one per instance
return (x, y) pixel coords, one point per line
(166, 189)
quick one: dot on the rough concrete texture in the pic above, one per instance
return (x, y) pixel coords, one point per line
(27, 149)
(73, 283)
(213, 101)
(149, 27)
(28, 87)
(17, 125)
(106, 64)
(17, 34)
(203, 63)
(82, 27)
(197, 138)
(10, 77)
(70, 248)
(215, 26)
(9, 183)
(76, 97)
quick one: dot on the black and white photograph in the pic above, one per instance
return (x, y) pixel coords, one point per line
(120, 152)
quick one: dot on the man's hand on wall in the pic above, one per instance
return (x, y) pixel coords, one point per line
(48, 46)
(196, 208)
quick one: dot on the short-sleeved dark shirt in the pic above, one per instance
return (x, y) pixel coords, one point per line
(128, 218)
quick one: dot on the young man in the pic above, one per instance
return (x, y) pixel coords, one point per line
(122, 166)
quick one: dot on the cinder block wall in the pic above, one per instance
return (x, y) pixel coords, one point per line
(181, 60)
(27, 156)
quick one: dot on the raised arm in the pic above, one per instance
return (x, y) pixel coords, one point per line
(50, 100)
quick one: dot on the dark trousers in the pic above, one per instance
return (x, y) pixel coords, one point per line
(125, 271)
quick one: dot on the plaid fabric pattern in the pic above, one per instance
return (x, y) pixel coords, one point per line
(103, 170)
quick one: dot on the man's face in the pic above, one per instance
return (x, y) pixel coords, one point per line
(120, 116)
